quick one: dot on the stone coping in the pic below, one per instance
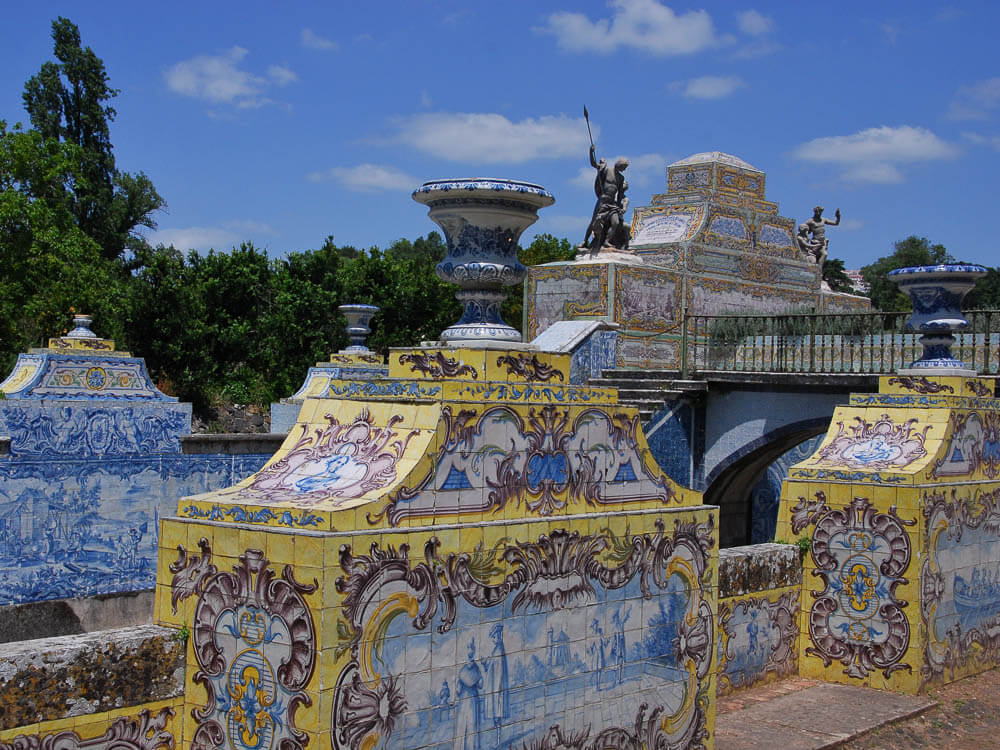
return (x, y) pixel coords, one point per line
(758, 567)
(233, 443)
(54, 678)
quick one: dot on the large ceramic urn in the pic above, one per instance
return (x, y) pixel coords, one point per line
(937, 293)
(482, 220)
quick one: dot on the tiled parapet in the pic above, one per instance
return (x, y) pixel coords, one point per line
(897, 504)
(514, 632)
(758, 620)
(80, 398)
(474, 548)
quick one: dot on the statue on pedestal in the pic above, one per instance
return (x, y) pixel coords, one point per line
(607, 227)
(811, 237)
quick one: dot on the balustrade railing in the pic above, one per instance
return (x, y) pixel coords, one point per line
(871, 343)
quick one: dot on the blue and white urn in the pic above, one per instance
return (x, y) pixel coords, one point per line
(482, 220)
(937, 293)
(358, 318)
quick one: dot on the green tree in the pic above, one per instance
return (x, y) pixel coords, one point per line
(986, 294)
(836, 276)
(913, 251)
(49, 265)
(68, 101)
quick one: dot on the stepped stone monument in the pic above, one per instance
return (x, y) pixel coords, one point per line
(712, 244)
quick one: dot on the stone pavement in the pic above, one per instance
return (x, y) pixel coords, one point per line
(802, 714)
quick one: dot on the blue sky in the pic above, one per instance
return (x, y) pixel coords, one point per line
(282, 123)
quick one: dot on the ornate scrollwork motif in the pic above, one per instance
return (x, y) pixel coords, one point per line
(143, 732)
(254, 677)
(529, 367)
(437, 365)
(861, 555)
(920, 384)
(190, 573)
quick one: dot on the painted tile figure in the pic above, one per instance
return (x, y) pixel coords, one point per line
(527, 656)
(960, 583)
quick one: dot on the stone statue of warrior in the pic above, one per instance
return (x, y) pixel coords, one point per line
(816, 244)
(607, 225)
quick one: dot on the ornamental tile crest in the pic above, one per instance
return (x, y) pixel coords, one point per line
(255, 644)
(552, 458)
(862, 556)
(335, 463)
(875, 446)
(507, 615)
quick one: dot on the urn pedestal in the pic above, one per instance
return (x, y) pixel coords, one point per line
(482, 220)
(937, 293)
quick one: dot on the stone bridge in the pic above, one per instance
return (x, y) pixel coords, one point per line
(733, 435)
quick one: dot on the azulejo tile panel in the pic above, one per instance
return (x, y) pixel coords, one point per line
(758, 639)
(647, 299)
(539, 640)
(960, 582)
(85, 527)
(75, 430)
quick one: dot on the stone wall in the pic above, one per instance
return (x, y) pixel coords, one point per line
(118, 689)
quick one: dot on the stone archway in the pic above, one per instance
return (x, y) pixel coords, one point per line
(731, 484)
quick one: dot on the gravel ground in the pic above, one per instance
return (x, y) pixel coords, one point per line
(967, 717)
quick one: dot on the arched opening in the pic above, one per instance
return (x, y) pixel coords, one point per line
(732, 483)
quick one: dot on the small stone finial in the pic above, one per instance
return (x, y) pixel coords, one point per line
(81, 338)
(358, 318)
(81, 328)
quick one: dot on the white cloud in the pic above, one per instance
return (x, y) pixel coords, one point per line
(642, 170)
(425, 100)
(281, 75)
(487, 138)
(758, 47)
(203, 239)
(877, 172)
(645, 25)
(874, 155)
(708, 87)
(978, 139)
(367, 178)
(220, 80)
(312, 40)
(584, 177)
(975, 101)
(851, 225)
(647, 168)
(754, 23)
